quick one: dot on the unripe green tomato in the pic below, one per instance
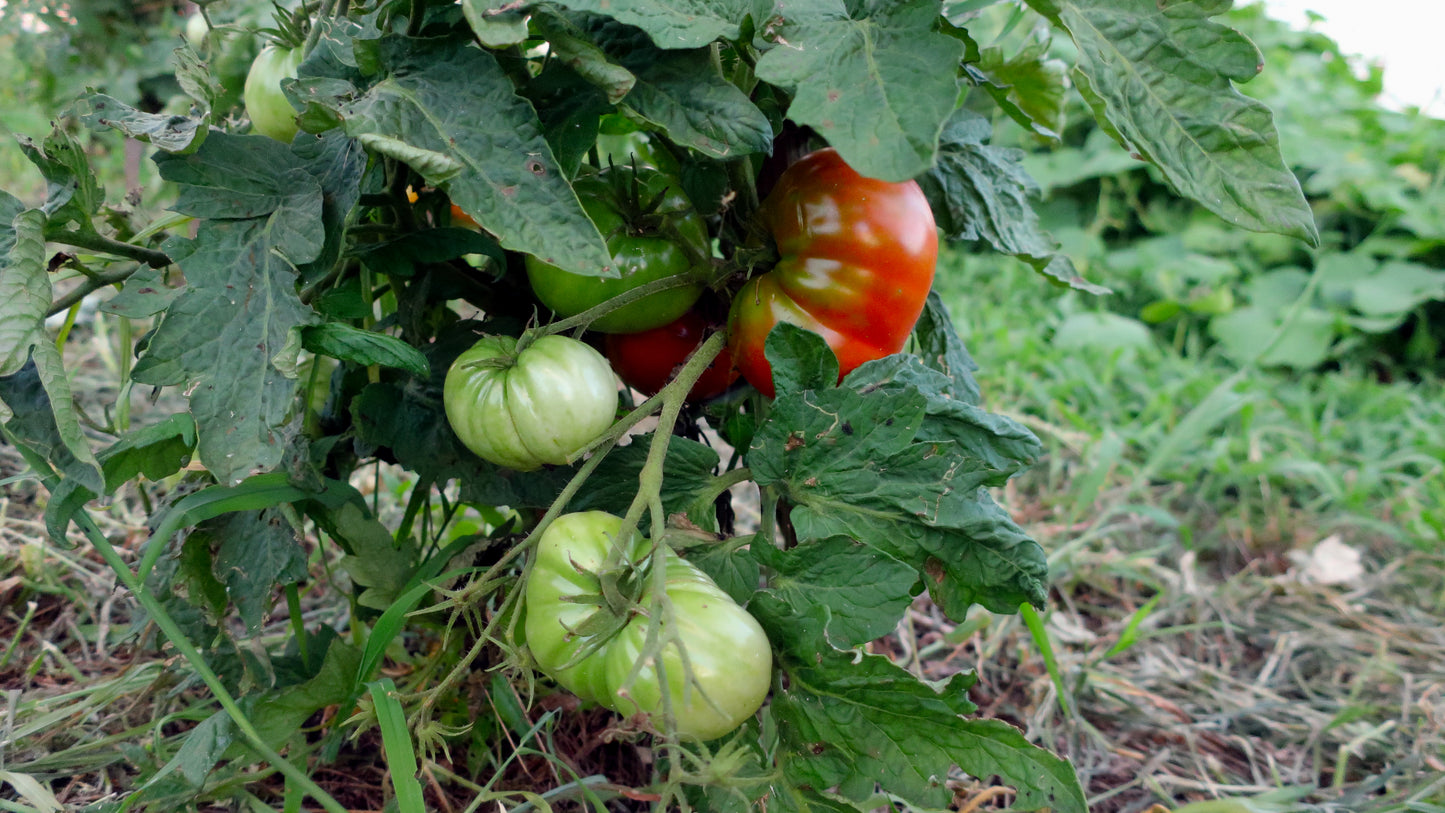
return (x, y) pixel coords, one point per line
(270, 111)
(729, 659)
(648, 256)
(196, 30)
(539, 406)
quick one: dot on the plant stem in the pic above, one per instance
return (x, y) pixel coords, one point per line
(673, 396)
(107, 245)
(91, 285)
(587, 317)
(188, 651)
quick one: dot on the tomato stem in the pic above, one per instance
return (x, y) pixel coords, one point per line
(683, 280)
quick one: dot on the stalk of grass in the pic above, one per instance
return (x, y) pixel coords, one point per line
(396, 741)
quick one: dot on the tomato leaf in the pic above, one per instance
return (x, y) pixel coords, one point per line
(570, 45)
(375, 561)
(219, 337)
(891, 727)
(497, 23)
(410, 425)
(34, 386)
(801, 359)
(980, 192)
(874, 79)
(1159, 77)
(570, 109)
(866, 590)
(682, 93)
(72, 193)
(735, 570)
(1028, 86)
(144, 294)
(498, 168)
(337, 163)
(364, 347)
(853, 466)
(689, 466)
(280, 713)
(992, 444)
(940, 348)
(177, 134)
(253, 552)
(676, 23)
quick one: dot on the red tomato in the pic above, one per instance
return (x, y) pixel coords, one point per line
(646, 361)
(857, 260)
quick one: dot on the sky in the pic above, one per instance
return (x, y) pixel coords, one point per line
(1403, 35)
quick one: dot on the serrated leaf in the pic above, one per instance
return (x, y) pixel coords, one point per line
(178, 134)
(874, 79)
(498, 168)
(735, 570)
(198, 754)
(681, 93)
(570, 45)
(254, 552)
(156, 451)
(220, 336)
(1028, 86)
(72, 194)
(144, 294)
(281, 713)
(894, 729)
(689, 466)
(337, 164)
(375, 561)
(865, 590)
(36, 386)
(994, 446)
(980, 192)
(675, 24)
(196, 78)
(570, 109)
(852, 465)
(24, 283)
(411, 426)
(497, 23)
(364, 347)
(940, 348)
(1160, 77)
(800, 359)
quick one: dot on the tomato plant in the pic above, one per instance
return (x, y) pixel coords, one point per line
(646, 361)
(652, 233)
(266, 103)
(856, 264)
(715, 665)
(324, 413)
(521, 409)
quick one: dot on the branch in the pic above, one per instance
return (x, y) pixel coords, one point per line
(93, 283)
(97, 242)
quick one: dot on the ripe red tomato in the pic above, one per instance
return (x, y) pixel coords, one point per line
(857, 260)
(646, 361)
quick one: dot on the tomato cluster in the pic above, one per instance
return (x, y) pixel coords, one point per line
(855, 262)
(714, 671)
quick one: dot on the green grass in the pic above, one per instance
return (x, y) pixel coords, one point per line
(1228, 451)
(1187, 653)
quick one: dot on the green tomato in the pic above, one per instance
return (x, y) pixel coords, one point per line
(270, 111)
(645, 246)
(539, 406)
(196, 30)
(728, 655)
